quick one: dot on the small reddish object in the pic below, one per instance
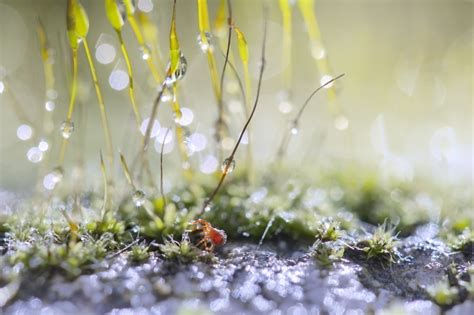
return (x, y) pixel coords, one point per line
(205, 236)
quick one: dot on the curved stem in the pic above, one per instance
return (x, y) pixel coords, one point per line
(230, 159)
(100, 99)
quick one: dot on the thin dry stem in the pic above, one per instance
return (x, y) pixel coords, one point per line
(232, 155)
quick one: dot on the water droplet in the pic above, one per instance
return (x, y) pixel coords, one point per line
(167, 95)
(67, 128)
(179, 73)
(228, 166)
(35, 155)
(43, 145)
(187, 117)
(294, 128)
(208, 207)
(138, 198)
(49, 106)
(341, 122)
(177, 115)
(145, 53)
(205, 44)
(2, 87)
(24, 132)
(325, 79)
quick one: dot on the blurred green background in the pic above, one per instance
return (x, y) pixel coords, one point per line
(407, 92)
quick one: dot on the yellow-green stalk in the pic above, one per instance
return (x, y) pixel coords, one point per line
(204, 30)
(285, 9)
(105, 206)
(306, 8)
(172, 74)
(150, 35)
(130, 10)
(118, 21)
(77, 29)
(100, 99)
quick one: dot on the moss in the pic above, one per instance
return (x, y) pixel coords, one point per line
(183, 251)
(108, 225)
(443, 294)
(70, 259)
(326, 253)
(379, 246)
(139, 253)
(463, 242)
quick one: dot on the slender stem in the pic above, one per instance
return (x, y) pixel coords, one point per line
(146, 140)
(106, 187)
(131, 92)
(161, 170)
(230, 159)
(103, 114)
(220, 124)
(153, 114)
(72, 100)
(72, 103)
(139, 36)
(300, 112)
(295, 122)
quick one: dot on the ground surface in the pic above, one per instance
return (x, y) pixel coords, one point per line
(326, 248)
(274, 279)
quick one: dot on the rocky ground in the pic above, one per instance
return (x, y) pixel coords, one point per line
(272, 279)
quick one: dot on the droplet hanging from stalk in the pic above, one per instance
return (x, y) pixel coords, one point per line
(138, 198)
(228, 166)
(67, 128)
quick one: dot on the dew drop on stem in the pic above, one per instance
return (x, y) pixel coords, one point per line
(138, 198)
(228, 166)
(67, 128)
